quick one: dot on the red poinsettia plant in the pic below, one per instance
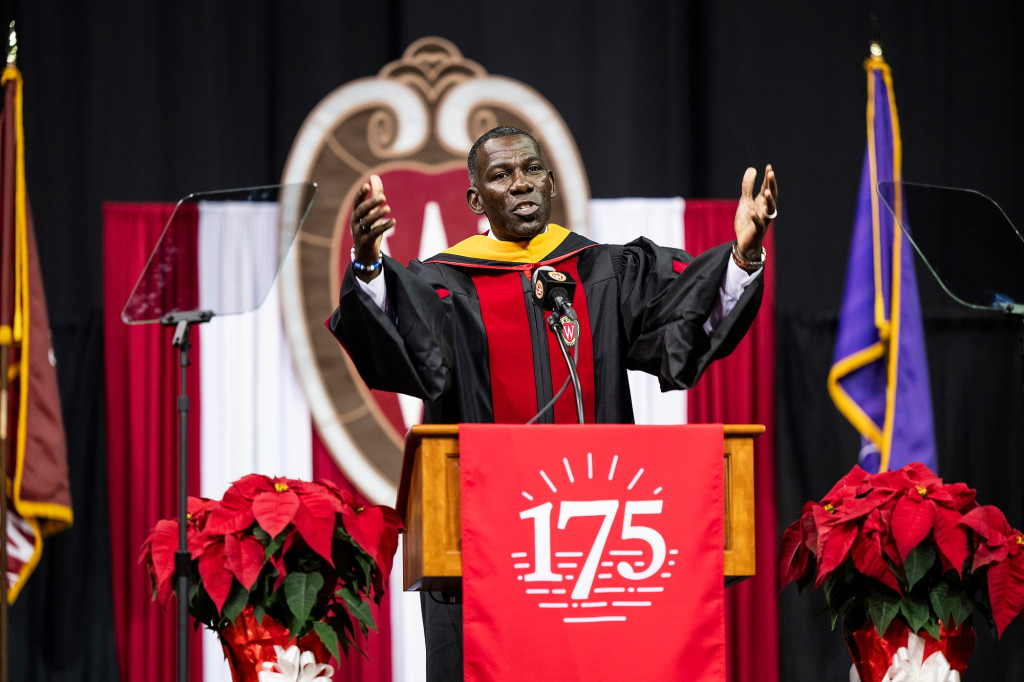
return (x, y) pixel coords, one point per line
(302, 553)
(903, 544)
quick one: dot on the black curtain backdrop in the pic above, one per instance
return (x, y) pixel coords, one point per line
(151, 101)
(62, 626)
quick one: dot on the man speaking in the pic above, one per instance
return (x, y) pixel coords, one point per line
(461, 331)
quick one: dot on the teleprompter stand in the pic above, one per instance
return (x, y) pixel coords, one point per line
(248, 233)
(966, 241)
(182, 323)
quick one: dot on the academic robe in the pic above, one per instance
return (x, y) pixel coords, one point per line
(467, 338)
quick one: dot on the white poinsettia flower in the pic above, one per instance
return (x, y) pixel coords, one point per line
(908, 665)
(295, 665)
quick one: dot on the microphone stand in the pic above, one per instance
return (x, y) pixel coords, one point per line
(182, 322)
(556, 328)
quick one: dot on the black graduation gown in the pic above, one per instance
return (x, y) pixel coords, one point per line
(468, 340)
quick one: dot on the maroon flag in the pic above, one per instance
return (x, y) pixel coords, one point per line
(38, 495)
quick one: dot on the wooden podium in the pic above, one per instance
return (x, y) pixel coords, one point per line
(429, 501)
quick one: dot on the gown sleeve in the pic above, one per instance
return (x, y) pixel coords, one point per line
(665, 297)
(409, 354)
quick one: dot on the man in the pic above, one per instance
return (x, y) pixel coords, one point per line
(459, 330)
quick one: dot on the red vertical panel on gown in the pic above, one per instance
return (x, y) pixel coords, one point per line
(509, 347)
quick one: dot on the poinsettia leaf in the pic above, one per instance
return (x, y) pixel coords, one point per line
(834, 549)
(342, 623)
(344, 627)
(315, 520)
(245, 558)
(945, 602)
(375, 530)
(357, 607)
(933, 628)
(918, 562)
(271, 545)
(868, 559)
(952, 496)
(232, 515)
(986, 554)
(361, 528)
(835, 617)
(367, 574)
(275, 510)
(989, 522)
(1006, 591)
(998, 588)
(158, 554)
(281, 572)
(841, 586)
(914, 612)
(300, 591)
(881, 609)
(793, 555)
(847, 484)
(833, 588)
(263, 536)
(911, 522)
(951, 604)
(386, 526)
(951, 537)
(326, 490)
(237, 600)
(214, 574)
(964, 609)
(250, 485)
(920, 474)
(329, 638)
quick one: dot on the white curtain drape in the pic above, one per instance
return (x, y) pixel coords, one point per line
(254, 415)
(618, 221)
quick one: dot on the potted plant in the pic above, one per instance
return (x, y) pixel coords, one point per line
(906, 562)
(279, 561)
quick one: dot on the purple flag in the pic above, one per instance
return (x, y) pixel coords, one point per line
(879, 376)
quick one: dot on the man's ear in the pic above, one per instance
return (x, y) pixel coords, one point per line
(551, 177)
(473, 199)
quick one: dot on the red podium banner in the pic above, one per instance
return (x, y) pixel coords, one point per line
(592, 552)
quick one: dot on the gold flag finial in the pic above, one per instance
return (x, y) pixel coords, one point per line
(875, 44)
(12, 46)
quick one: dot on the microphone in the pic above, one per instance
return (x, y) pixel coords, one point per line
(553, 290)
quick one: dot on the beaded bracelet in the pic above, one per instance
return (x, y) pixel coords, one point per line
(367, 268)
(748, 265)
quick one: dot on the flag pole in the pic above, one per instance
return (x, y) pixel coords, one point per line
(5, 659)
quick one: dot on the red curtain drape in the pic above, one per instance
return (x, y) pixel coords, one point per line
(740, 390)
(142, 382)
(375, 666)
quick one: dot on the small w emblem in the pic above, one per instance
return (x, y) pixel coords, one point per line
(570, 330)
